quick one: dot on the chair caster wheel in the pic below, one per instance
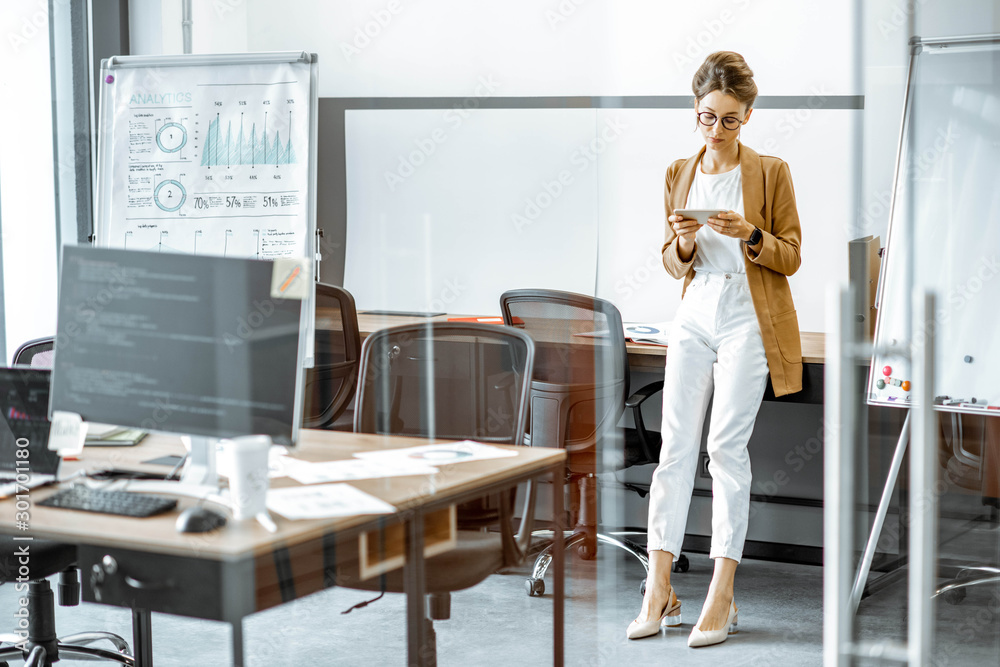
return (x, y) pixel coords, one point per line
(587, 551)
(682, 564)
(954, 596)
(642, 588)
(535, 587)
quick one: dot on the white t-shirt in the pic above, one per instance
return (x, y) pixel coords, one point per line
(717, 253)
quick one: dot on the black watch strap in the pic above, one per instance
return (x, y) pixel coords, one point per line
(755, 237)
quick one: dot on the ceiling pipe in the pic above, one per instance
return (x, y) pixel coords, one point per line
(186, 23)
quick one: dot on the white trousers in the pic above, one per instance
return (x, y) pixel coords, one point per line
(715, 351)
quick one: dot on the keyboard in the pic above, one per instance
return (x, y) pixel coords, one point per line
(103, 501)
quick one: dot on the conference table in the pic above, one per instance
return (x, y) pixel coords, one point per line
(642, 357)
(230, 573)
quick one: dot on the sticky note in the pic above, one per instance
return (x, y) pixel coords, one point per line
(290, 278)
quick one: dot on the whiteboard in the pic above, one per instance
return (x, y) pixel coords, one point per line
(210, 154)
(947, 188)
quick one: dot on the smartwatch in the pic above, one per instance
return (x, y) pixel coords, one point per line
(755, 237)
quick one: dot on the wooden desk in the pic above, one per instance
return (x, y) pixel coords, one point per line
(640, 357)
(238, 570)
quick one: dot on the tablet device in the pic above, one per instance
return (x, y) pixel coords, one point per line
(700, 214)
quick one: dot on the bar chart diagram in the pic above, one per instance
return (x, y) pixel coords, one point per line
(244, 143)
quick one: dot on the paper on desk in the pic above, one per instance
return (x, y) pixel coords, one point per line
(98, 430)
(278, 462)
(351, 469)
(440, 454)
(656, 333)
(324, 501)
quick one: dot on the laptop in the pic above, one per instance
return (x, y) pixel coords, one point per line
(24, 425)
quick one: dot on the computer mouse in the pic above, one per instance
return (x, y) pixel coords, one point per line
(199, 519)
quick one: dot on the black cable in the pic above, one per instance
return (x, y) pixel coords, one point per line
(359, 605)
(363, 604)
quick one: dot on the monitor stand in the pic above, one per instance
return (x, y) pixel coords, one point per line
(199, 478)
(200, 471)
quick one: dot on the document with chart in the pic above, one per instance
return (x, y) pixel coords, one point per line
(208, 160)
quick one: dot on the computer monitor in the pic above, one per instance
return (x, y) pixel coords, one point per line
(193, 345)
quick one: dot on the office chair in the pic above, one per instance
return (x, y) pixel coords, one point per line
(29, 350)
(578, 395)
(453, 381)
(43, 647)
(975, 467)
(48, 559)
(331, 383)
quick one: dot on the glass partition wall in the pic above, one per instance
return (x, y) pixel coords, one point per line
(930, 535)
(543, 167)
(471, 149)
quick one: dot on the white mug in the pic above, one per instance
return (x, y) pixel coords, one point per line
(248, 474)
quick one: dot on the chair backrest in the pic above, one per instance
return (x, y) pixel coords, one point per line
(581, 374)
(331, 383)
(28, 351)
(458, 381)
(445, 380)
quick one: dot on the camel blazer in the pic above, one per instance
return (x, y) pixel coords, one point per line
(769, 204)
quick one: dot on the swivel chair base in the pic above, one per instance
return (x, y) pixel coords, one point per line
(954, 591)
(535, 584)
(41, 647)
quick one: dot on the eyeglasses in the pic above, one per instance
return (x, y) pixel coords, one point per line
(728, 122)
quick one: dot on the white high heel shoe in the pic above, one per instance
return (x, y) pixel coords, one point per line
(671, 617)
(709, 637)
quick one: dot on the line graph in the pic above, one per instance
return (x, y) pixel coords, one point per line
(243, 143)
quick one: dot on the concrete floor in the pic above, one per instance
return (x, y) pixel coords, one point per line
(496, 623)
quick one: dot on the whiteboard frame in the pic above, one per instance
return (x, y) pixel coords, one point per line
(918, 45)
(104, 174)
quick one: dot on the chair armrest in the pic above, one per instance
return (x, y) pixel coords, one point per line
(639, 397)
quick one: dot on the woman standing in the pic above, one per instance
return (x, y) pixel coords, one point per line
(735, 327)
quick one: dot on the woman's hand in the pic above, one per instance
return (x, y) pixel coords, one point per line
(685, 229)
(731, 224)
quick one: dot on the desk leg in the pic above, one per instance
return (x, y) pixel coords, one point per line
(142, 637)
(238, 643)
(420, 649)
(558, 558)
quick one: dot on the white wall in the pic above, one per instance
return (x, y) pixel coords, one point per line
(552, 47)
(483, 171)
(218, 26)
(27, 191)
